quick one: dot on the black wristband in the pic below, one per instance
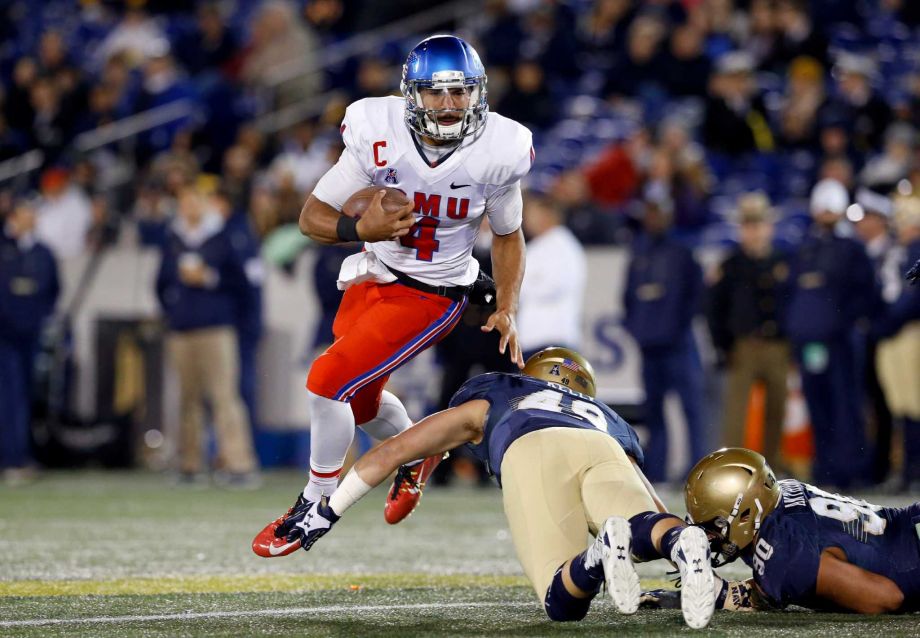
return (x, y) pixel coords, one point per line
(347, 228)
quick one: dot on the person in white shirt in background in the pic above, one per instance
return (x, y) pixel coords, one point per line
(553, 291)
(65, 215)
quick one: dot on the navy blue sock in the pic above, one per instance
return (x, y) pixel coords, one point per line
(562, 606)
(587, 579)
(669, 539)
(643, 549)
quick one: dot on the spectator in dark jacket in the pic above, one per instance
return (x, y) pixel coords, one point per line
(798, 36)
(28, 291)
(201, 280)
(736, 118)
(856, 103)
(687, 68)
(746, 304)
(639, 70)
(248, 302)
(529, 100)
(899, 355)
(832, 287)
(662, 295)
(211, 45)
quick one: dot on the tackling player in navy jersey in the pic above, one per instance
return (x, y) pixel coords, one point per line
(568, 466)
(806, 547)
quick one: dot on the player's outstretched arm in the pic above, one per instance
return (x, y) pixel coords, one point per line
(852, 587)
(320, 222)
(432, 435)
(508, 269)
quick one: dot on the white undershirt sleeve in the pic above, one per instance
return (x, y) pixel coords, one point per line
(505, 208)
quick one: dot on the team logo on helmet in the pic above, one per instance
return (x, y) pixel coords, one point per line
(563, 366)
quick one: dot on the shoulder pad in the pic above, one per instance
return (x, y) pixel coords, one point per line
(353, 124)
(504, 153)
(476, 388)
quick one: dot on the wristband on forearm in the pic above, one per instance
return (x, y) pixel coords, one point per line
(347, 228)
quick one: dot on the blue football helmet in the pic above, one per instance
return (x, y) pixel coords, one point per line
(444, 62)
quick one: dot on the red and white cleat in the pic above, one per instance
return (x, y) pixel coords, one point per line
(271, 541)
(407, 488)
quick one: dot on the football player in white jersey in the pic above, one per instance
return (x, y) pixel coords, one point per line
(455, 161)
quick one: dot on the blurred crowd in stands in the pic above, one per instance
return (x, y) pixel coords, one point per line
(705, 98)
(667, 125)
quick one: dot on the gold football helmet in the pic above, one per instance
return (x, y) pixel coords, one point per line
(729, 493)
(563, 366)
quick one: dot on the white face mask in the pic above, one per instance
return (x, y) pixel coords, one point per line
(422, 117)
(445, 99)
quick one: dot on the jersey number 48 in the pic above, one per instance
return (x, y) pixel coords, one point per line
(552, 401)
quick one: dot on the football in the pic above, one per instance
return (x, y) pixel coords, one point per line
(360, 200)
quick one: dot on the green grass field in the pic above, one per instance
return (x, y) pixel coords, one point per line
(127, 554)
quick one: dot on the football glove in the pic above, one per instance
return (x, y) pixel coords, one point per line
(660, 599)
(482, 292)
(310, 524)
(734, 595)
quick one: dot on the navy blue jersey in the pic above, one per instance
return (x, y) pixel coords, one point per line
(809, 520)
(522, 404)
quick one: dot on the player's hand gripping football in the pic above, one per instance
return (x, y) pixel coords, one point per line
(503, 321)
(378, 224)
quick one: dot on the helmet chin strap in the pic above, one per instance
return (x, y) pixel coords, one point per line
(444, 132)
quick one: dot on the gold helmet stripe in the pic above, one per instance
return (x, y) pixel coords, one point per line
(735, 508)
(759, 515)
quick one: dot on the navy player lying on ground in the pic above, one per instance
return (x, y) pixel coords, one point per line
(568, 465)
(806, 547)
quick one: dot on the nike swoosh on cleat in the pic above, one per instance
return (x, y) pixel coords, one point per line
(275, 550)
(456, 186)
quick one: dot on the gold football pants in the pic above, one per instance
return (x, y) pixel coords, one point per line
(558, 485)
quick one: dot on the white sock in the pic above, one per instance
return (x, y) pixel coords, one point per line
(391, 418)
(350, 491)
(332, 428)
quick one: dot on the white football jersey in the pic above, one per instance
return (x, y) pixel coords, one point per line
(482, 175)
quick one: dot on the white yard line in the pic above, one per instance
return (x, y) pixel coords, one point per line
(291, 611)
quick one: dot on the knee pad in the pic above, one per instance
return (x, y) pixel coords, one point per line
(327, 375)
(389, 415)
(560, 605)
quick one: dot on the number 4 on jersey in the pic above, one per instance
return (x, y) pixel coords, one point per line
(421, 238)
